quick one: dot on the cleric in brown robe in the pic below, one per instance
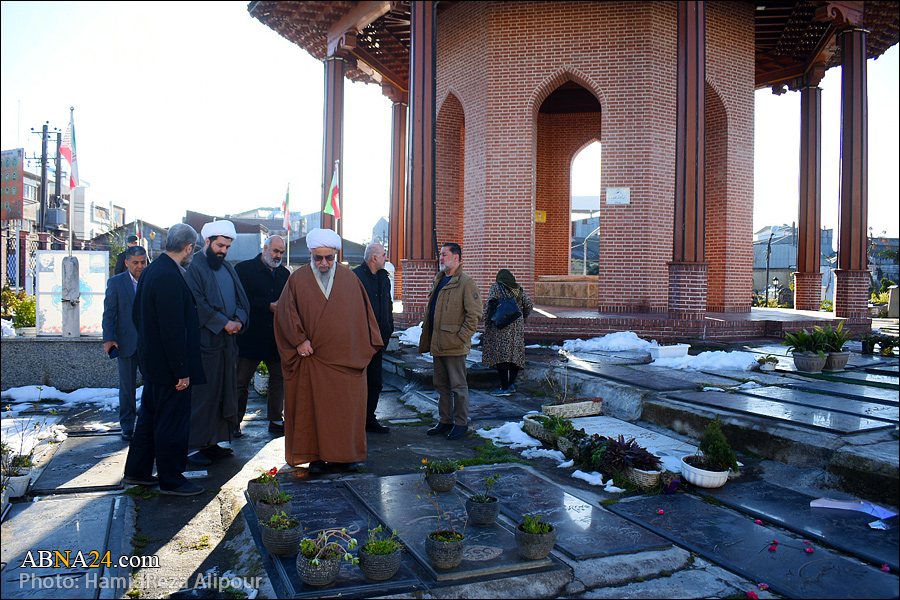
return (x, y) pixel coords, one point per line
(326, 334)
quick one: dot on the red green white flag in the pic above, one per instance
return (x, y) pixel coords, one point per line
(332, 202)
(286, 209)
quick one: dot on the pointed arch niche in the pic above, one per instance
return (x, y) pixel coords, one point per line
(568, 120)
(450, 144)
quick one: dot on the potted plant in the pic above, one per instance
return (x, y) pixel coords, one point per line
(670, 481)
(17, 452)
(25, 318)
(867, 340)
(535, 539)
(262, 485)
(767, 362)
(261, 379)
(16, 471)
(886, 345)
(808, 350)
(379, 557)
(273, 502)
(445, 545)
(835, 339)
(484, 508)
(319, 559)
(281, 534)
(709, 468)
(440, 474)
(643, 466)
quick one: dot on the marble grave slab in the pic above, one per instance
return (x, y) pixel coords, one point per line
(90, 419)
(851, 406)
(735, 542)
(849, 390)
(847, 530)
(815, 418)
(660, 383)
(84, 464)
(583, 530)
(886, 381)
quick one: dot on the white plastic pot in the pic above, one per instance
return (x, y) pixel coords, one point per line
(673, 351)
(701, 477)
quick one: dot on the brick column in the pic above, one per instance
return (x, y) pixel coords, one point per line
(851, 294)
(418, 275)
(397, 220)
(688, 271)
(687, 290)
(807, 291)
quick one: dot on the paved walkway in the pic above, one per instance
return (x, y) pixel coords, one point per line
(629, 550)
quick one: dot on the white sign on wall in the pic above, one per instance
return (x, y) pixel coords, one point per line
(618, 195)
(93, 271)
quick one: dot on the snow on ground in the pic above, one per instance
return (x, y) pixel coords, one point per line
(717, 360)
(411, 336)
(510, 434)
(543, 453)
(614, 342)
(7, 329)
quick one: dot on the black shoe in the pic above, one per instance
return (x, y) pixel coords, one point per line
(317, 467)
(276, 426)
(337, 467)
(148, 481)
(198, 459)
(216, 451)
(457, 432)
(127, 436)
(185, 489)
(376, 427)
(440, 428)
(237, 432)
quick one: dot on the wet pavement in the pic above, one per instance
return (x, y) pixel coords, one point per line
(608, 545)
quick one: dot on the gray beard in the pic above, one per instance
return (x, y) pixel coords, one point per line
(186, 261)
(272, 264)
(325, 277)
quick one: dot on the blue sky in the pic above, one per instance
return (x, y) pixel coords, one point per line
(200, 106)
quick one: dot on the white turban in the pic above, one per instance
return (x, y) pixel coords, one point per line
(323, 238)
(223, 228)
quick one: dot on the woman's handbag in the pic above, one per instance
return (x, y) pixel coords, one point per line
(506, 312)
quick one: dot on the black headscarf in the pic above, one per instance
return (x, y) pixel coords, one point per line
(508, 280)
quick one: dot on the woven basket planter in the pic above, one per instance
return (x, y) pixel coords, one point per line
(441, 482)
(257, 490)
(642, 479)
(535, 546)
(265, 511)
(571, 410)
(281, 542)
(322, 574)
(379, 567)
(537, 431)
(482, 513)
(444, 555)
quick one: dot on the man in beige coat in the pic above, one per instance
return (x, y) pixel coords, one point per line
(454, 310)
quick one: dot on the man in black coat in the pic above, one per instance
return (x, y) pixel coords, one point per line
(262, 278)
(165, 316)
(378, 285)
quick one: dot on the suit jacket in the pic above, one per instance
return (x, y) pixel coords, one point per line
(120, 263)
(378, 287)
(262, 286)
(210, 304)
(117, 309)
(165, 316)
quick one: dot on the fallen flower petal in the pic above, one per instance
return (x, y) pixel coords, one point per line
(661, 511)
(753, 595)
(809, 550)
(773, 548)
(764, 586)
(774, 541)
(885, 568)
(807, 542)
(758, 522)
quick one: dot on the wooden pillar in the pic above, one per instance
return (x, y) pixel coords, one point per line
(852, 279)
(808, 278)
(333, 134)
(397, 221)
(688, 271)
(419, 262)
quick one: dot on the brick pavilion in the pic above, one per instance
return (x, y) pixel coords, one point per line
(492, 101)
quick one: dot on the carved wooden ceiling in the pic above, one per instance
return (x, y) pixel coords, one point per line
(793, 38)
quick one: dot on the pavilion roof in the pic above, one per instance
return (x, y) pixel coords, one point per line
(790, 39)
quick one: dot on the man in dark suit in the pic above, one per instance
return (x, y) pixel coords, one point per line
(377, 282)
(119, 333)
(263, 279)
(132, 241)
(165, 316)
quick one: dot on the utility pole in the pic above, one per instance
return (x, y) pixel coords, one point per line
(42, 205)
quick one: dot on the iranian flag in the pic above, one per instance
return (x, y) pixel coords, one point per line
(286, 208)
(332, 202)
(67, 149)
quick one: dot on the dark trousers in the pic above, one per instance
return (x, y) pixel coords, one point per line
(374, 382)
(508, 372)
(246, 367)
(128, 367)
(161, 434)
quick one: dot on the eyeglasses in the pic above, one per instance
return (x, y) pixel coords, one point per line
(327, 257)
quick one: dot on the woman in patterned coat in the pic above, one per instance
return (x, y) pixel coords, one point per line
(504, 349)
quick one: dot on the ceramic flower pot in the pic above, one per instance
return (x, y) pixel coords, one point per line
(322, 574)
(379, 567)
(767, 366)
(441, 482)
(535, 546)
(265, 511)
(701, 477)
(444, 555)
(836, 361)
(281, 542)
(261, 384)
(17, 485)
(482, 513)
(808, 362)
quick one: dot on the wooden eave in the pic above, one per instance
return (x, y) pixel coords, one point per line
(791, 40)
